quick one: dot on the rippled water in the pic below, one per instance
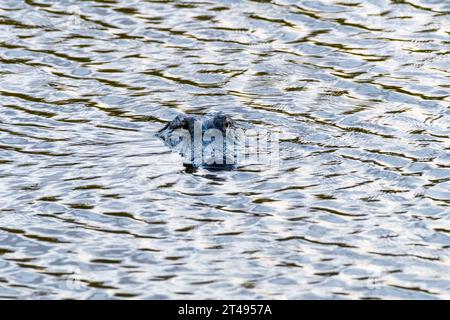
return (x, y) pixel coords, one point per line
(94, 205)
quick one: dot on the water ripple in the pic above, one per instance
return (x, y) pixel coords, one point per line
(95, 206)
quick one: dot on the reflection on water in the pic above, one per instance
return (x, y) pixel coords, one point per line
(94, 205)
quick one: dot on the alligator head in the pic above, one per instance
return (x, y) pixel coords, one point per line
(206, 142)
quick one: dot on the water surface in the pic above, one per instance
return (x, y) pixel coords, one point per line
(95, 206)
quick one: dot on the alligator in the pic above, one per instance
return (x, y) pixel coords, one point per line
(206, 141)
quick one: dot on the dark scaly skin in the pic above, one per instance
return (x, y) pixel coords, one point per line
(220, 122)
(180, 122)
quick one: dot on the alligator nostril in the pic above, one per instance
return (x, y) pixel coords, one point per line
(228, 123)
